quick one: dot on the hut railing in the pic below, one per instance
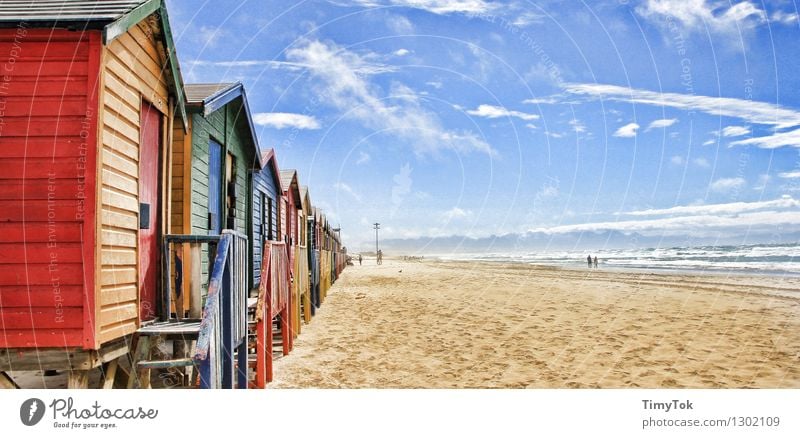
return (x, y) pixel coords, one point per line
(223, 319)
(273, 300)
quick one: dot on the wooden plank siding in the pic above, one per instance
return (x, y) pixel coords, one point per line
(48, 127)
(227, 126)
(132, 71)
(264, 187)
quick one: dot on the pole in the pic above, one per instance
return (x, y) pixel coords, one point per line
(377, 227)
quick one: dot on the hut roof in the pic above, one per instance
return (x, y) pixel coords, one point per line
(94, 14)
(305, 197)
(269, 160)
(213, 97)
(289, 182)
(113, 17)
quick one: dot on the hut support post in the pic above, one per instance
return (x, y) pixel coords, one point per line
(6, 382)
(227, 328)
(110, 373)
(78, 379)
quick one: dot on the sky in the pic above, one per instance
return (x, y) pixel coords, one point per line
(479, 118)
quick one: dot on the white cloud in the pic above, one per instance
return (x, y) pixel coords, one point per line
(757, 222)
(435, 84)
(735, 131)
(677, 160)
(628, 130)
(661, 123)
(784, 17)
(527, 18)
(577, 126)
(363, 158)
(341, 84)
(731, 218)
(541, 101)
(439, 7)
(401, 52)
(286, 120)
(400, 24)
(788, 138)
(789, 175)
(731, 208)
(763, 180)
(752, 111)
(347, 189)
(697, 15)
(709, 142)
(531, 126)
(727, 184)
(701, 162)
(455, 213)
(496, 112)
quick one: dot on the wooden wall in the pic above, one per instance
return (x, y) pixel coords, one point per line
(230, 129)
(48, 129)
(132, 70)
(263, 183)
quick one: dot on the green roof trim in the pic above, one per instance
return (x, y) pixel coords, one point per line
(118, 27)
(174, 66)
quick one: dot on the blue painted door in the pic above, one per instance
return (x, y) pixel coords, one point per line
(214, 187)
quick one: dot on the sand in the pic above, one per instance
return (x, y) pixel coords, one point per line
(435, 324)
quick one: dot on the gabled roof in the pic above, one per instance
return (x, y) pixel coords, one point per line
(91, 14)
(306, 198)
(213, 97)
(113, 17)
(269, 161)
(289, 181)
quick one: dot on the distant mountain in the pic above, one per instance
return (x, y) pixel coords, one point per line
(591, 241)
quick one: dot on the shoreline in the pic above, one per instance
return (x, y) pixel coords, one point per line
(733, 272)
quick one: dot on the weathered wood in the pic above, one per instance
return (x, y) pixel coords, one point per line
(110, 373)
(137, 377)
(78, 379)
(6, 382)
(195, 283)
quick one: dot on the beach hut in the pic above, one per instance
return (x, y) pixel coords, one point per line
(271, 264)
(213, 159)
(313, 254)
(305, 253)
(265, 203)
(293, 202)
(87, 98)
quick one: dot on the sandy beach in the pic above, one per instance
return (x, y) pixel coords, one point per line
(435, 324)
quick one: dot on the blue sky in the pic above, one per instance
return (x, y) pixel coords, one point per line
(479, 117)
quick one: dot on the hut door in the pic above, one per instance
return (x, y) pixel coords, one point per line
(150, 140)
(214, 187)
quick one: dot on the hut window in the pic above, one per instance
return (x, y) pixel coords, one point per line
(230, 181)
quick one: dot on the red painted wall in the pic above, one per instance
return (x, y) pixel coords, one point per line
(48, 129)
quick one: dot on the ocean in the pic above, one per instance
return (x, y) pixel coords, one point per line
(781, 259)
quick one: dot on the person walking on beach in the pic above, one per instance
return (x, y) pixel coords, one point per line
(595, 262)
(589, 260)
(359, 260)
(380, 257)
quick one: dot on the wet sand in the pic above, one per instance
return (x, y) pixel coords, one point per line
(435, 324)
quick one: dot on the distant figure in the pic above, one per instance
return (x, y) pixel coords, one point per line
(589, 261)
(359, 260)
(380, 257)
(595, 261)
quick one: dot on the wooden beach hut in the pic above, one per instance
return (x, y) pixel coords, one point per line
(271, 266)
(212, 160)
(293, 202)
(87, 98)
(212, 155)
(304, 254)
